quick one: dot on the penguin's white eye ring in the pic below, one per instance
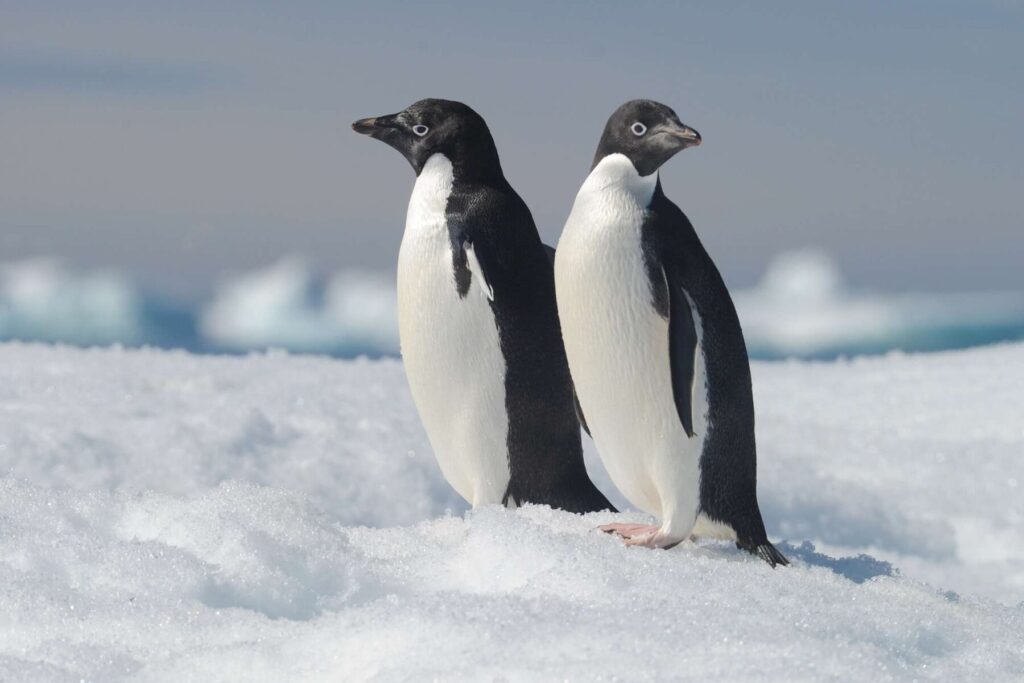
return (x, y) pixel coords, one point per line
(420, 129)
(638, 128)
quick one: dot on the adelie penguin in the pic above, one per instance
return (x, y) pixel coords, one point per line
(655, 346)
(478, 323)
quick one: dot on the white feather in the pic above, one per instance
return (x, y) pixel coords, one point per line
(618, 349)
(477, 272)
(450, 348)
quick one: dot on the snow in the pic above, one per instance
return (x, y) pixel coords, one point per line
(180, 423)
(165, 516)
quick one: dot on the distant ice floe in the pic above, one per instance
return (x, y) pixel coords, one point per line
(801, 308)
(41, 300)
(286, 306)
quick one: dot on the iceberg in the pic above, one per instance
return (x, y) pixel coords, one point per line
(802, 308)
(286, 306)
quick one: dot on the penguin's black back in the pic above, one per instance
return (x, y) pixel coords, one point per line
(545, 452)
(728, 463)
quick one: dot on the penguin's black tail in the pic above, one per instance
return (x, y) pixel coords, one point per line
(585, 497)
(580, 496)
(577, 493)
(766, 551)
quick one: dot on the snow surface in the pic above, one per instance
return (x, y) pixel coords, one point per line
(165, 516)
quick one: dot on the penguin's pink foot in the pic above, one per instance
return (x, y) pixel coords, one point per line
(642, 535)
(629, 531)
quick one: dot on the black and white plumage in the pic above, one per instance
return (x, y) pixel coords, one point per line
(478, 322)
(654, 344)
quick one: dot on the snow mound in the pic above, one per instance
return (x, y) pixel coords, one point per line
(916, 459)
(344, 433)
(250, 583)
(166, 517)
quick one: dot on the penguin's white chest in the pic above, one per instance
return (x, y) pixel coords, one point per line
(450, 348)
(618, 348)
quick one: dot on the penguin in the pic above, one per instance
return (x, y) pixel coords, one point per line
(478, 324)
(655, 347)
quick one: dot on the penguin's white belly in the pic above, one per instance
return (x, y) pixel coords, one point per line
(618, 350)
(450, 348)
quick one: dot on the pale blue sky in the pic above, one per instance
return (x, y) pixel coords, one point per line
(180, 140)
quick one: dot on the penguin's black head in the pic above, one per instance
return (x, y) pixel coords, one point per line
(647, 132)
(433, 126)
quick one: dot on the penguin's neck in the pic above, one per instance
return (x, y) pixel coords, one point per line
(476, 163)
(478, 174)
(616, 173)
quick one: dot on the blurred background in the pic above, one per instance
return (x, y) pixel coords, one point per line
(183, 174)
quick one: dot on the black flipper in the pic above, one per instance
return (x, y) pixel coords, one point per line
(682, 341)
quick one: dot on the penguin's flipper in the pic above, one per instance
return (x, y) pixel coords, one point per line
(579, 412)
(477, 270)
(682, 344)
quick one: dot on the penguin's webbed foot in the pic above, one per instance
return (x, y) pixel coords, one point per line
(628, 530)
(643, 535)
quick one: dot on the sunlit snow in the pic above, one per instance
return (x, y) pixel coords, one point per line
(165, 516)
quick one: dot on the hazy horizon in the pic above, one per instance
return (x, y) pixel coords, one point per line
(179, 142)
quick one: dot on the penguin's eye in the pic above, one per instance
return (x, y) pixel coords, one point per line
(420, 129)
(638, 129)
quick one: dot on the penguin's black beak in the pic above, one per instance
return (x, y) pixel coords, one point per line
(683, 135)
(375, 125)
(365, 126)
(389, 130)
